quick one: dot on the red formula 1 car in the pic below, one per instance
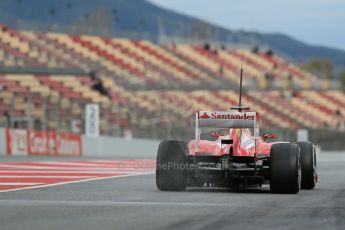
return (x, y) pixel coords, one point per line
(237, 158)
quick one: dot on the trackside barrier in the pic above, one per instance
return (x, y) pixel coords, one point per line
(19, 142)
(42, 143)
(115, 146)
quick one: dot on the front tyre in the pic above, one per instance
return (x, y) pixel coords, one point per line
(171, 166)
(285, 170)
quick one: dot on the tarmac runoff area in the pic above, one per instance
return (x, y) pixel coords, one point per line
(120, 193)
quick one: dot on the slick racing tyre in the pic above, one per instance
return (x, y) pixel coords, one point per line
(171, 166)
(308, 165)
(285, 169)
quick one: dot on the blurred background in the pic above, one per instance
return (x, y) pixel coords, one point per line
(150, 65)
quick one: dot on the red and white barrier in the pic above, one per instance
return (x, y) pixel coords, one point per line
(16, 142)
(19, 142)
(29, 142)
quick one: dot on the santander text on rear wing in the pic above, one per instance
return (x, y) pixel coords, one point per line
(226, 119)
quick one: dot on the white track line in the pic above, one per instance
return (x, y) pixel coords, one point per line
(105, 203)
(18, 183)
(72, 182)
(68, 164)
(72, 171)
(69, 168)
(95, 164)
(128, 161)
(53, 177)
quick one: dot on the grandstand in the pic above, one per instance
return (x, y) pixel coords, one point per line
(151, 87)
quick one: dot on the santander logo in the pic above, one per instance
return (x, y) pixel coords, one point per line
(229, 116)
(205, 116)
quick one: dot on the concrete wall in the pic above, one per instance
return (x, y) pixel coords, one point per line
(119, 147)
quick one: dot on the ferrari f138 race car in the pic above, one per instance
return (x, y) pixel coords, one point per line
(237, 158)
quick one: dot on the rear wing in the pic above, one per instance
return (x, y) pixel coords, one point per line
(226, 119)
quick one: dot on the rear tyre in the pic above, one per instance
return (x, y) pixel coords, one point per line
(285, 170)
(308, 163)
(171, 166)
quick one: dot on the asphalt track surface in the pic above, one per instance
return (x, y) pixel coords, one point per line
(134, 202)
